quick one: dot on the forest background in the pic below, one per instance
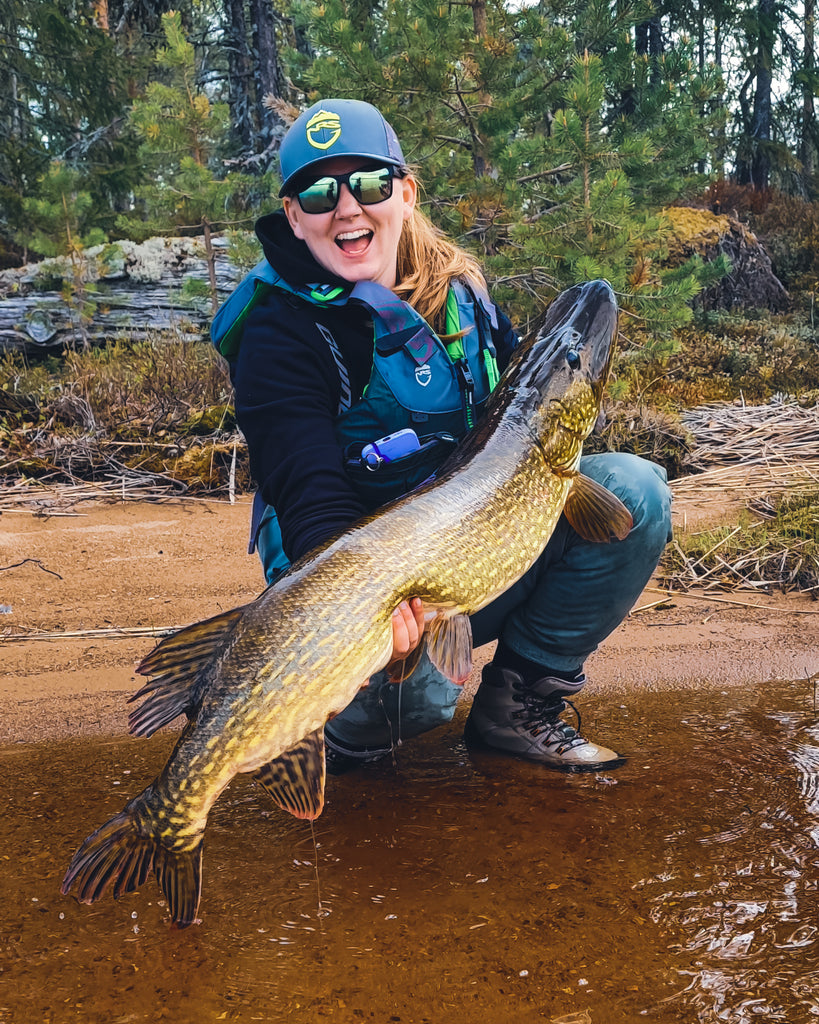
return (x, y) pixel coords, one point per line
(558, 140)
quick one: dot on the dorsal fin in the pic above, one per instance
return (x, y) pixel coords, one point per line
(295, 781)
(594, 512)
(176, 664)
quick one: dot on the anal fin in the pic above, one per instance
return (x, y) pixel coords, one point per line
(295, 780)
(594, 512)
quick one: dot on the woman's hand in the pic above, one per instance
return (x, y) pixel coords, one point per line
(407, 628)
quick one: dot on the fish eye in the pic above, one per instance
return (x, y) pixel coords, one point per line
(573, 358)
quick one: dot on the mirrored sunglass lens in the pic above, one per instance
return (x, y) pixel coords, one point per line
(371, 187)
(319, 197)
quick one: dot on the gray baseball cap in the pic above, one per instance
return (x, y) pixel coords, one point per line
(336, 128)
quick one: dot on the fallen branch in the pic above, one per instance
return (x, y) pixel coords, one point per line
(35, 561)
(112, 633)
(674, 594)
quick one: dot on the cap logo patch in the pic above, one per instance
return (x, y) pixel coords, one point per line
(323, 129)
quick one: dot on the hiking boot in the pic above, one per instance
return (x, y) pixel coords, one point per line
(341, 758)
(524, 720)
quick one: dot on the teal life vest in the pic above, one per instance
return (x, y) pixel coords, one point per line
(417, 380)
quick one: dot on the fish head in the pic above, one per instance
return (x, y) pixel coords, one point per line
(564, 365)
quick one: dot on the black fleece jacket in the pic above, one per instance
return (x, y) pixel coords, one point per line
(287, 391)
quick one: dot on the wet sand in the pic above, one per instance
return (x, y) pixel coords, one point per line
(448, 886)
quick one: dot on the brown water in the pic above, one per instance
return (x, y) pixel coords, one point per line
(454, 888)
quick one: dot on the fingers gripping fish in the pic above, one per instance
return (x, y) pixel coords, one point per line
(258, 683)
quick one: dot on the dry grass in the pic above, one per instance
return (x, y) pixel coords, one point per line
(642, 430)
(774, 546)
(129, 417)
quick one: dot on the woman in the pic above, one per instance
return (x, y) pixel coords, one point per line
(329, 364)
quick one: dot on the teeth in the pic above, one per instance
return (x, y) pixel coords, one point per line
(347, 235)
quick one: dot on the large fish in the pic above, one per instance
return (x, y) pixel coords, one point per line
(259, 682)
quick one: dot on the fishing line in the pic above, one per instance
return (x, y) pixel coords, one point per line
(395, 741)
(321, 913)
(400, 696)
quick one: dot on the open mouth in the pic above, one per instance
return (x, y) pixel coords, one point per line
(354, 242)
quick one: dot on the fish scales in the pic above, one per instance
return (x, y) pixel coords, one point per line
(287, 662)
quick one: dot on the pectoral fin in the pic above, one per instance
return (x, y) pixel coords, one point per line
(295, 781)
(594, 512)
(449, 646)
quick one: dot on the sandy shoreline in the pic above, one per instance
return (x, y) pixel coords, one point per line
(163, 564)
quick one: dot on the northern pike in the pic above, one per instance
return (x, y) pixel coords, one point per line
(259, 682)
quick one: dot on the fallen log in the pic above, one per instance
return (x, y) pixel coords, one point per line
(121, 289)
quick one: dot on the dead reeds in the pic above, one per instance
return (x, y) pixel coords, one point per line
(770, 456)
(139, 422)
(742, 435)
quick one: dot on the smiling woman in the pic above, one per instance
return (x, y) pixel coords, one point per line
(366, 328)
(351, 217)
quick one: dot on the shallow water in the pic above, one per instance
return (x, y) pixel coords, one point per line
(451, 888)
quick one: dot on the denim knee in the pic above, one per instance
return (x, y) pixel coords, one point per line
(384, 712)
(642, 487)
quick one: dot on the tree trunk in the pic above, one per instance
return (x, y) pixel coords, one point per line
(807, 144)
(137, 296)
(210, 259)
(648, 39)
(701, 165)
(479, 17)
(721, 148)
(754, 156)
(239, 75)
(266, 71)
(101, 15)
(479, 155)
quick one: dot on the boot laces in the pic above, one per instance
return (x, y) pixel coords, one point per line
(541, 715)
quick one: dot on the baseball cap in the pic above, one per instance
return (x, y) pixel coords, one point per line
(336, 128)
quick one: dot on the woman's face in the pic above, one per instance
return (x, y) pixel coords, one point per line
(353, 241)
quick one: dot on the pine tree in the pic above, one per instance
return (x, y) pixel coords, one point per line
(183, 131)
(527, 151)
(62, 98)
(55, 223)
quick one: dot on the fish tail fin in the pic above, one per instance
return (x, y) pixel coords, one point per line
(180, 878)
(121, 855)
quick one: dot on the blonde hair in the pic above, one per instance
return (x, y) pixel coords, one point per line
(427, 263)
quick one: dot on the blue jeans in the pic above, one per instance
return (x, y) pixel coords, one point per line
(571, 599)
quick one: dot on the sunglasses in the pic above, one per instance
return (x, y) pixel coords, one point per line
(368, 188)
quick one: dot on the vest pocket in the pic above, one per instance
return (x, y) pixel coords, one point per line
(392, 479)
